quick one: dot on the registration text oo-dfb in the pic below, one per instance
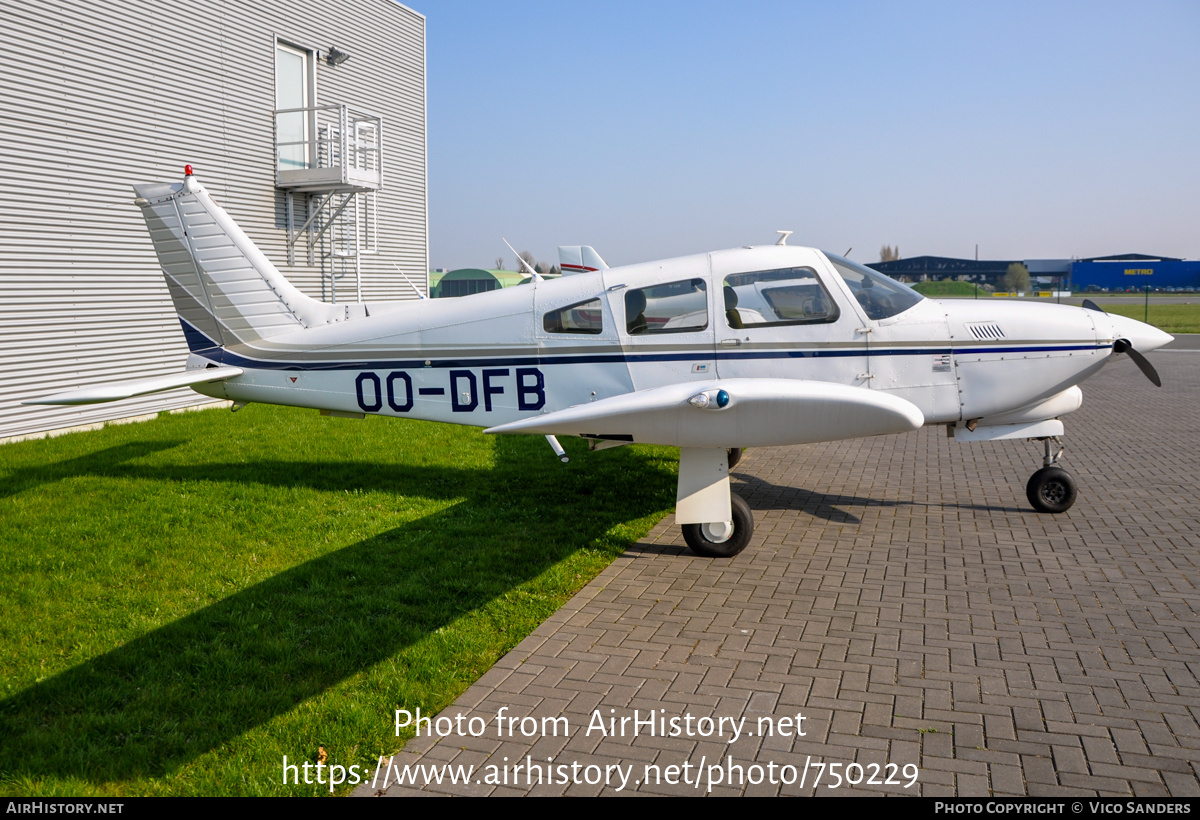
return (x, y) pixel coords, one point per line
(711, 353)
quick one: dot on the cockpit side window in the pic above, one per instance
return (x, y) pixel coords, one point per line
(880, 296)
(789, 296)
(674, 307)
(581, 317)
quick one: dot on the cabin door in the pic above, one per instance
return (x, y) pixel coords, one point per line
(790, 320)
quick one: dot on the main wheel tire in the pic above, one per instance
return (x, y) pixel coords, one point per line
(735, 455)
(1051, 490)
(700, 542)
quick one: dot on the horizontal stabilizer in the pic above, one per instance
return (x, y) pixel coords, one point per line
(733, 413)
(115, 391)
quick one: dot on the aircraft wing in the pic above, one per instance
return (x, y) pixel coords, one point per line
(114, 391)
(754, 413)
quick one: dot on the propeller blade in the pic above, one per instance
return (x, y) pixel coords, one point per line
(1123, 346)
(1090, 305)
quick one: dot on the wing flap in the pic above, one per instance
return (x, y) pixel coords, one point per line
(115, 391)
(758, 413)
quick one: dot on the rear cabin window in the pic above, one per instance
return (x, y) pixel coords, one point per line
(676, 307)
(582, 317)
(789, 296)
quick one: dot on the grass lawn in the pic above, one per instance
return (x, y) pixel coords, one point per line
(948, 287)
(1171, 318)
(188, 600)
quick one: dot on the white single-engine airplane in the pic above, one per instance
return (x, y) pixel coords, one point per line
(711, 353)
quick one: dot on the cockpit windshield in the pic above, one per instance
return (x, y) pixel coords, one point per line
(880, 296)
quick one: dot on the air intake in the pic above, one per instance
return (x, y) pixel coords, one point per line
(986, 330)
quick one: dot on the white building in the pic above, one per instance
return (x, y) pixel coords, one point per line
(96, 96)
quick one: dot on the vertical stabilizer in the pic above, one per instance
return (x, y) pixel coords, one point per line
(225, 290)
(579, 259)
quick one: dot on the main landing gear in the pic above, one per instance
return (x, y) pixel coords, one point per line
(716, 522)
(1051, 489)
(723, 539)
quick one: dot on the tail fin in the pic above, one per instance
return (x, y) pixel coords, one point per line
(224, 289)
(579, 259)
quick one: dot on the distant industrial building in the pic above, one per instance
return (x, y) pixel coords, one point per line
(1130, 271)
(926, 268)
(304, 119)
(465, 281)
(1135, 271)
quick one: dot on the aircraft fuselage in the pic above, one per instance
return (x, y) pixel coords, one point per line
(496, 357)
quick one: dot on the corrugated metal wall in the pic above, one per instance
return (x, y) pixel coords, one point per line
(96, 96)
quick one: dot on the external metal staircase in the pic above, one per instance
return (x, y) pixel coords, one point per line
(328, 160)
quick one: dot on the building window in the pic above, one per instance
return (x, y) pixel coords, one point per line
(293, 90)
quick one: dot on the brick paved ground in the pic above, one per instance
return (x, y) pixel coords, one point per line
(901, 595)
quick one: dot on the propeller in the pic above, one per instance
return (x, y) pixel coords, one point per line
(1123, 346)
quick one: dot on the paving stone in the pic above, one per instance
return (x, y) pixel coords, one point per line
(896, 584)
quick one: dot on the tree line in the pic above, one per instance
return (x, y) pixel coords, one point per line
(526, 256)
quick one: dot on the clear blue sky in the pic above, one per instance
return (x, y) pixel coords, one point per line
(648, 130)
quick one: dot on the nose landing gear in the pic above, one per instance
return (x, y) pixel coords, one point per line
(1051, 489)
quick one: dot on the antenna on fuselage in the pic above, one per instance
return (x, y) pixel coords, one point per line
(783, 235)
(408, 281)
(537, 277)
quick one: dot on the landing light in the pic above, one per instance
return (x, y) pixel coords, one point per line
(704, 400)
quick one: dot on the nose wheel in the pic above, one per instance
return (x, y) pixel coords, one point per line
(1051, 489)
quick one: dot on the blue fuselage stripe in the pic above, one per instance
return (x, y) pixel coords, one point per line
(546, 358)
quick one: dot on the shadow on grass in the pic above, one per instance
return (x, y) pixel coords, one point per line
(101, 462)
(157, 702)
